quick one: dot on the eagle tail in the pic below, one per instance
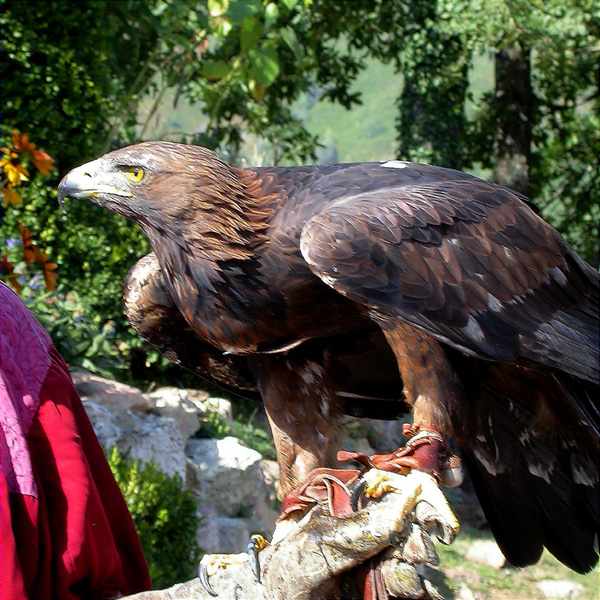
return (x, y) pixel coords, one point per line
(539, 486)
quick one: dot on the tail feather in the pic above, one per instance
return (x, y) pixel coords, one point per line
(534, 458)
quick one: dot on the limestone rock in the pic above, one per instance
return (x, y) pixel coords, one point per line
(151, 438)
(179, 404)
(360, 444)
(221, 406)
(231, 480)
(104, 423)
(464, 593)
(559, 588)
(223, 535)
(112, 394)
(145, 437)
(270, 471)
(486, 552)
(384, 436)
(224, 474)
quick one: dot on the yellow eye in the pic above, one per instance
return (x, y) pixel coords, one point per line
(136, 174)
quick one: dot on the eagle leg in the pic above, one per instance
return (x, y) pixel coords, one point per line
(303, 412)
(431, 389)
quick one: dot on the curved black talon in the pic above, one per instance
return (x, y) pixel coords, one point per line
(203, 577)
(255, 545)
(357, 494)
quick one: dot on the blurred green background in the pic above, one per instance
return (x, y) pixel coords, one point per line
(507, 89)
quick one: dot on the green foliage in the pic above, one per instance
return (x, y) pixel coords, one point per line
(253, 436)
(81, 336)
(560, 45)
(165, 518)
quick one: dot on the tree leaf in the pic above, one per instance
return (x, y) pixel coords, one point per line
(289, 37)
(217, 8)
(242, 9)
(215, 69)
(264, 66)
(250, 33)
(271, 14)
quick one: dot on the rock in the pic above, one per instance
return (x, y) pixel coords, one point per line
(112, 394)
(559, 588)
(223, 535)
(151, 438)
(198, 396)
(145, 437)
(464, 593)
(226, 474)
(104, 423)
(221, 406)
(356, 445)
(179, 404)
(486, 552)
(270, 472)
(231, 480)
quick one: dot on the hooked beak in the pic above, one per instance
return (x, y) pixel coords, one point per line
(89, 181)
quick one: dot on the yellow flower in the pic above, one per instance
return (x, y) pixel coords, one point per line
(15, 173)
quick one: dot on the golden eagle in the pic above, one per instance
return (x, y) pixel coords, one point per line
(366, 287)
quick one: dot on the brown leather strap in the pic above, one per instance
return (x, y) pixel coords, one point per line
(328, 487)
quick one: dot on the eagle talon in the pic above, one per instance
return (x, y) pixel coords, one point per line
(203, 577)
(377, 484)
(357, 494)
(255, 545)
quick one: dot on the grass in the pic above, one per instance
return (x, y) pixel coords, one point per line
(508, 583)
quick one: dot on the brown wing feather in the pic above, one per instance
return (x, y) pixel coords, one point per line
(152, 313)
(467, 261)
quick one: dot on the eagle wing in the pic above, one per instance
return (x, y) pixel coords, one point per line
(467, 261)
(152, 312)
(472, 264)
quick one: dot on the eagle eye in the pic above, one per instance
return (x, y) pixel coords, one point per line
(135, 174)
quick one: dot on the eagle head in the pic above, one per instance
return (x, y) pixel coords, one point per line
(154, 182)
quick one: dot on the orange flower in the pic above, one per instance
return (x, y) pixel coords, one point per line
(28, 246)
(50, 275)
(42, 161)
(11, 196)
(31, 254)
(21, 143)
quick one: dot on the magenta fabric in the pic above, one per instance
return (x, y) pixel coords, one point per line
(24, 362)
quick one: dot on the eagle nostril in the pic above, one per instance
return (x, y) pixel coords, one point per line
(88, 174)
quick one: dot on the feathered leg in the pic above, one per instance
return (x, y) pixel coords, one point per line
(303, 413)
(432, 390)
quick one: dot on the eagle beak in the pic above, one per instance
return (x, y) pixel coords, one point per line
(92, 180)
(77, 183)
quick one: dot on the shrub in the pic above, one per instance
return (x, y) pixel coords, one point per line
(165, 517)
